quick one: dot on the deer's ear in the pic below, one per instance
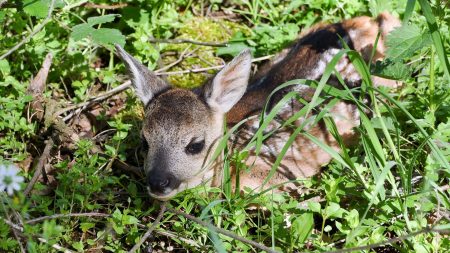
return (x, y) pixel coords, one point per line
(229, 85)
(145, 82)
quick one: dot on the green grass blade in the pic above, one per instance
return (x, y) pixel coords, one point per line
(435, 35)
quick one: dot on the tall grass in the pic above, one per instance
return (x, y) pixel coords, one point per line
(389, 178)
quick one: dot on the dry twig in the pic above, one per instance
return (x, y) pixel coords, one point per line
(39, 166)
(387, 242)
(173, 235)
(57, 216)
(124, 86)
(37, 87)
(93, 100)
(183, 55)
(150, 230)
(221, 230)
(34, 32)
(126, 167)
(106, 6)
(188, 41)
(2, 2)
(198, 70)
(19, 229)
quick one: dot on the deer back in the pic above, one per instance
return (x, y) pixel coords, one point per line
(307, 58)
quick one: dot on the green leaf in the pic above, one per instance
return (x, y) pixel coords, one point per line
(129, 220)
(353, 218)
(435, 35)
(102, 19)
(103, 36)
(2, 15)
(78, 246)
(333, 211)
(443, 227)
(85, 226)
(108, 36)
(36, 8)
(5, 69)
(377, 234)
(232, 49)
(303, 225)
(117, 215)
(404, 41)
(314, 206)
(391, 70)
(81, 31)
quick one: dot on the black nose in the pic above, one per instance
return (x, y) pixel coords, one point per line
(162, 182)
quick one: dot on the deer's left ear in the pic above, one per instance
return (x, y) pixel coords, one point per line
(146, 84)
(229, 85)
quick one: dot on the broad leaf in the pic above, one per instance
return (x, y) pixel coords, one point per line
(101, 19)
(5, 69)
(108, 36)
(391, 70)
(103, 36)
(303, 225)
(404, 41)
(232, 49)
(36, 8)
(81, 31)
(39, 8)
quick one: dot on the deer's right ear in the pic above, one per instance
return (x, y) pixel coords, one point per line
(145, 82)
(229, 85)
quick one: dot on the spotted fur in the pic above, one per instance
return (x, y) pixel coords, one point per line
(182, 128)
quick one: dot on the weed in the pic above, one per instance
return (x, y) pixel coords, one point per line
(390, 188)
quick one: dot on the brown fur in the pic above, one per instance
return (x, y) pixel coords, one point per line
(177, 122)
(304, 158)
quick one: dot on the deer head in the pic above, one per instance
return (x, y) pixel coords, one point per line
(181, 129)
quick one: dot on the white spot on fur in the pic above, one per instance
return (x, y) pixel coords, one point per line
(325, 58)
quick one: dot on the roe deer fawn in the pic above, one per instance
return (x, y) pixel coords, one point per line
(182, 128)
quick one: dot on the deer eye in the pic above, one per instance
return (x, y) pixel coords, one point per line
(195, 147)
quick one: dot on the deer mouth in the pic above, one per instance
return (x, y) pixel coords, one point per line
(162, 196)
(204, 178)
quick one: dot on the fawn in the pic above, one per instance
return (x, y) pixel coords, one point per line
(182, 128)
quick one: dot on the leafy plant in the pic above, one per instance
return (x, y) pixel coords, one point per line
(105, 36)
(391, 185)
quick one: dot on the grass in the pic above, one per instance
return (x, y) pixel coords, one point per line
(389, 191)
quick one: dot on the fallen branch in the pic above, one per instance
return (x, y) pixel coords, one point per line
(183, 55)
(19, 229)
(94, 100)
(39, 166)
(175, 236)
(126, 167)
(150, 230)
(55, 245)
(34, 32)
(187, 41)
(19, 240)
(58, 216)
(198, 70)
(387, 242)
(221, 230)
(2, 2)
(74, 5)
(37, 87)
(124, 86)
(106, 6)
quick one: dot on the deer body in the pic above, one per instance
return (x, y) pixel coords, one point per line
(182, 128)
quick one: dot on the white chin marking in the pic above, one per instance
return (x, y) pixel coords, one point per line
(164, 197)
(205, 178)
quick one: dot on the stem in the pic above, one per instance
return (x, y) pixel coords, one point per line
(431, 84)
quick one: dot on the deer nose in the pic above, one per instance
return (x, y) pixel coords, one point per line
(161, 183)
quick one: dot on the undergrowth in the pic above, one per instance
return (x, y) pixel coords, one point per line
(390, 190)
